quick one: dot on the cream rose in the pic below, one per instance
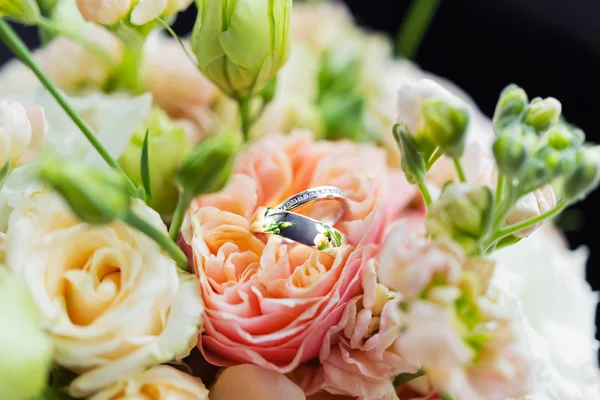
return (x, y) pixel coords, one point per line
(163, 382)
(113, 303)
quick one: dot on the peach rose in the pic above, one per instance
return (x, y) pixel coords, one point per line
(269, 303)
(111, 300)
(165, 383)
(358, 355)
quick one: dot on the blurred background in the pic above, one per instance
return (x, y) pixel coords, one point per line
(549, 47)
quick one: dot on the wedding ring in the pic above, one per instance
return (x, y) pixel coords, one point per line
(328, 215)
(300, 229)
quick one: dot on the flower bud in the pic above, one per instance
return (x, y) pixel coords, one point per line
(22, 132)
(511, 150)
(585, 176)
(206, 169)
(510, 107)
(542, 113)
(240, 45)
(531, 205)
(95, 196)
(26, 11)
(546, 165)
(25, 349)
(110, 12)
(167, 146)
(560, 137)
(463, 212)
(412, 161)
(446, 124)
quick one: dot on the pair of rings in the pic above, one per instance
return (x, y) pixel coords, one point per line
(293, 227)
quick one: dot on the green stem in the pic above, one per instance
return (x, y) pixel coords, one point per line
(245, 114)
(182, 205)
(159, 237)
(425, 193)
(434, 157)
(459, 170)
(502, 209)
(16, 45)
(512, 229)
(414, 26)
(500, 189)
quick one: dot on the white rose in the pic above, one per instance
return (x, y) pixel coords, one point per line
(22, 132)
(543, 285)
(165, 382)
(112, 301)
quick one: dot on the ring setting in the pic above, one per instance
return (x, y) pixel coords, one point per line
(297, 228)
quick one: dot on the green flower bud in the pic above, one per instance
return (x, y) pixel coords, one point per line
(446, 124)
(26, 11)
(511, 150)
(96, 196)
(206, 169)
(510, 106)
(241, 44)
(560, 137)
(167, 145)
(543, 167)
(585, 176)
(542, 113)
(412, 161)
(25, 349)
(463, 212)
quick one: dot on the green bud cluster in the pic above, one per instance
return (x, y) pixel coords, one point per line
(534, 146)
(463, 212)
(445, 125)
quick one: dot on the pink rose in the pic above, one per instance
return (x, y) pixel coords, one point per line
(269, 303)
(358, 355)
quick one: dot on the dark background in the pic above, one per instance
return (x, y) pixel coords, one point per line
(549, 47)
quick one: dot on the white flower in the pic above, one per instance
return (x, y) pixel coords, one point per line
(113, 303)
(532, 205)
(22, 132)
(109, 12)
(412, 97)
(166, 382)
(543, 284)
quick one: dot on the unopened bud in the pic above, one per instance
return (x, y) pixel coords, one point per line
(96, 196)
(560, 137)
(510, 107)
(240, 45)
(463, 212)
(585, 176)
(543, 113)
(206, 169)
(511, 150)
(446, 123)
(26, 11)
(531, 205)
(412, 161)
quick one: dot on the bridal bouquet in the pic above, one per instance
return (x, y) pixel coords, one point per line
(277, 208)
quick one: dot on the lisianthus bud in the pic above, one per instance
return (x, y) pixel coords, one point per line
(107, 12)
(560, 137)
(206, 169)
(585, 176)
(412, 161)
(510, 106)
(543, 113)
(511, 150)
(22, 132)
(25, 349)
(446, 123)
(433, 116)
(463, 212)
(167, 146)
(240, 45)
(96, 196)
(531, 205)
(22, 10)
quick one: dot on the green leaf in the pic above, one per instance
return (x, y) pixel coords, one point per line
(447, 397)
(407, 377)
(5, 172)
(145, 169)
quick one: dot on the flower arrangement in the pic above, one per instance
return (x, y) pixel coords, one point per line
(277, 208)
